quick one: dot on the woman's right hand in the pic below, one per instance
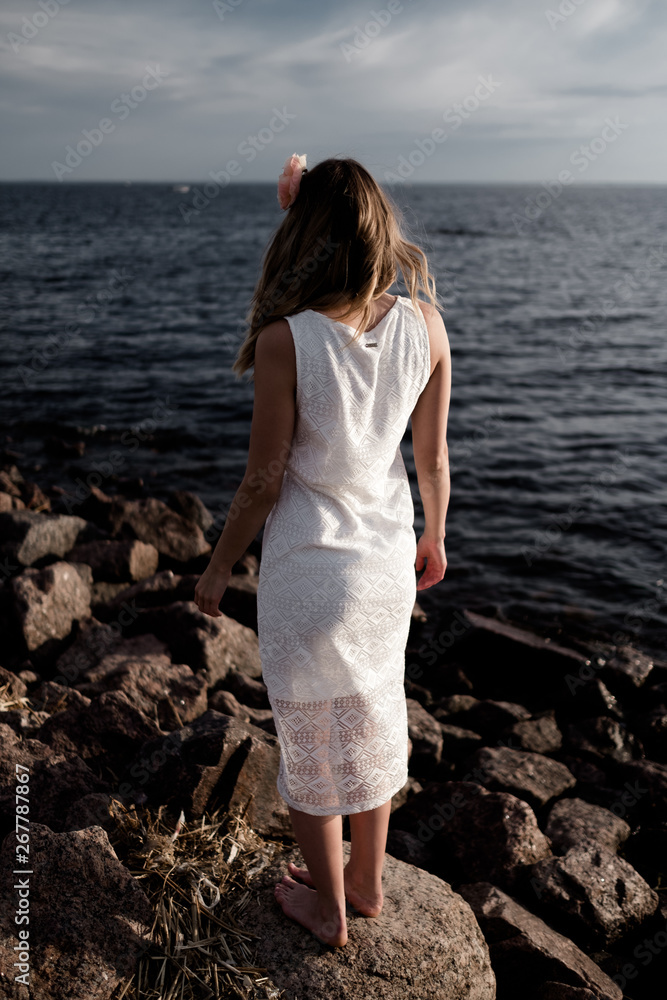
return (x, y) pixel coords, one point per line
(430, 551)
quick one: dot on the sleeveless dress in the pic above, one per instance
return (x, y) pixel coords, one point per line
(337, 581)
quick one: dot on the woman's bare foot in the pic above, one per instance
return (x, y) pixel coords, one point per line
(303, 905)
(361, 897)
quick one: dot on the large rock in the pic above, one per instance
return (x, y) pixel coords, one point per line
(154, 685)
(26, 535)
(598, 896)
(107, 732)
(426, 736)
(152, 521)
(11, 686)
(94, 640)
(48, 601)
(529, 776)
(538, 735)
(475, 833)
(602, 737)
(213, 647)
(425, 945)
(534, 670)
(572, 821)
(89, 918)
(526, 952)
(56, 782)
(214, 760)
(115, 561)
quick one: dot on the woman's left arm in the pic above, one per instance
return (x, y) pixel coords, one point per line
(273, 418)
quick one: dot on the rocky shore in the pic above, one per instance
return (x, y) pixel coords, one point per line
(526, 854)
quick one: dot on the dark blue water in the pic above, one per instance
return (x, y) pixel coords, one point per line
(121, 320)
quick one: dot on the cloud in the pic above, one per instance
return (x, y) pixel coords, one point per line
(361, 80)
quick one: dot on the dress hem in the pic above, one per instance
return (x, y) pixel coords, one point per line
(338, 810)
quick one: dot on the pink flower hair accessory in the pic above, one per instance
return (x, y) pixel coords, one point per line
(290, 179)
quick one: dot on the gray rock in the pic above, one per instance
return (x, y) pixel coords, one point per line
(117, 561)
(48, 601)
(27, 535)
(572, 821)
(425, 944)
(152, 521)
(529, 776)
(597, 894)
(526, 952)
(93, 641)
(89, 918)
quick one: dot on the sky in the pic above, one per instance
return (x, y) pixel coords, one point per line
(424, 90)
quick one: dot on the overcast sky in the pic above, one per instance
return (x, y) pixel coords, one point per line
(515, 88)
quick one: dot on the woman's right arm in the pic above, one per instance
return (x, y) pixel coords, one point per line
(429, 446)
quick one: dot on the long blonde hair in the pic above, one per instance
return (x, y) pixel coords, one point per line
(338, 246)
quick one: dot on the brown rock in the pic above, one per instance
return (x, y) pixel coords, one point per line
(91, 810)
(56, 781)
(239, 600)
(458, 743)
(34, 497)
(28, 535)
(52, 698)
(539, 735)
(526, 952)
(48, 601)
(12, 687)
(213, 647)
(117, 561)
(158, 590)
(198, 766)
(152, 521)
(407, 847)
(109, 731)
(426, 736)
(10, 503)
(225, 703)
(89, 918)
(248, 690)
(191, 507)
(602, 737)
(560, 991)
(480, 834)
(23, 721)
(596, 894)
(626, 670)
(152, 683)
(490, 717)
(93, 641)
(425, 945)
(529, 776)
(572, 821)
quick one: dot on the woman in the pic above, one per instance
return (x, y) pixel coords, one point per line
(325, 472)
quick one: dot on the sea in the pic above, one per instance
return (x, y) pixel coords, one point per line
(123, 308)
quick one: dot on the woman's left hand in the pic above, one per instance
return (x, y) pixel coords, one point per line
(209, 590)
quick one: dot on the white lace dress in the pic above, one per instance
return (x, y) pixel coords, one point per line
(337, 580)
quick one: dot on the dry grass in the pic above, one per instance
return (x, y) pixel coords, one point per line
(197, 878)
